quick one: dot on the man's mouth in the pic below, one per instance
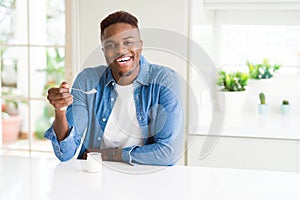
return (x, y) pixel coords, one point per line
(123, 60)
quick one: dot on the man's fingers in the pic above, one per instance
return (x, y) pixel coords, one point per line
(84, 156)
(64, 85)
(57, 94)
(58, 99)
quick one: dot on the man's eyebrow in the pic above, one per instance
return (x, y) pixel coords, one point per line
(108, 40)
(129, 37)
(125, 38)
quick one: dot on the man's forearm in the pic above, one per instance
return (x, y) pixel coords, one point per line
(60, 125)
(110, 154)
(113, 154)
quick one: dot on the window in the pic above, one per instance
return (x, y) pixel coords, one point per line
(279, 43)
(33, 58)
(233, 37)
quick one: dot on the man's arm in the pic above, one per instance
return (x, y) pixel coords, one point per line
(60, 125)
(60, 98)
(110, 154)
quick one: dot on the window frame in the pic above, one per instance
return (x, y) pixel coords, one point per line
(70, 7)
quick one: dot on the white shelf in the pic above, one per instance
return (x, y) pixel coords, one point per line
(253, 125)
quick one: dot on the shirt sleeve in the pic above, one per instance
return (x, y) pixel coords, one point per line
(126, 154)
(65, 149)
(77, 117)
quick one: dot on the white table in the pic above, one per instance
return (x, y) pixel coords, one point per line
(37, 179)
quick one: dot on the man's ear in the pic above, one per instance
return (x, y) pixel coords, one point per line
(141, 44)
(101, 43)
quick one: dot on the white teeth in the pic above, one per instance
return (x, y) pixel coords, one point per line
(124, 59)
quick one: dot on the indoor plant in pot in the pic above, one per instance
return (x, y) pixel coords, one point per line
(285, 107)
(260, 75)
(11, 117)
(262, 106)
(11, 121)
(232, 91)
(262, 70)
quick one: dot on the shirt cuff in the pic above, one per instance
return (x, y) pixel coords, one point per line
(50, 134)
(126, 154)
(59, 147)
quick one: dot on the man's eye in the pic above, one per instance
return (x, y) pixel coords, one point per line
(128, 43)
(109, 46)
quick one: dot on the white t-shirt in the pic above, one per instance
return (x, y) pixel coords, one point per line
(122, 128)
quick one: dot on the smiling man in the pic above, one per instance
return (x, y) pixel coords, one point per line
(136, 116)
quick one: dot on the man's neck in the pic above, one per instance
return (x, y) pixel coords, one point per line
(127, 78)
(125, 81)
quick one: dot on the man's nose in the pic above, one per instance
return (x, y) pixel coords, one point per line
(121, 49)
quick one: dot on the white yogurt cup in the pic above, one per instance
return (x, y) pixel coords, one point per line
(94, 162)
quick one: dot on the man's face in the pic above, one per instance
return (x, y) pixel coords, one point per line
(122, 49)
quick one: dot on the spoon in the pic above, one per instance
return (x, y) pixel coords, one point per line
(92, 91)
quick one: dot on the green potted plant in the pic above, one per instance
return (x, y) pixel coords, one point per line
(262, 70)
(285, 107)
(232, 81)
(232, 90)
(262, 106)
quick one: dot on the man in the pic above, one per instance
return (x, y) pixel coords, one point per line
(136, 115)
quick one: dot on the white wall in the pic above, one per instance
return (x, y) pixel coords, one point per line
(165, 14)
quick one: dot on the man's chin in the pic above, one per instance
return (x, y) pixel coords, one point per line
(127, 73)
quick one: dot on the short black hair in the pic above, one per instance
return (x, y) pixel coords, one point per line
(118, 17)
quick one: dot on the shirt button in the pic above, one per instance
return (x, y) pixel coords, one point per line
(98, 138)
(104, 119)
(113, 83)
(112, 99)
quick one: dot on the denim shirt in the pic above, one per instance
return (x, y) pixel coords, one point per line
(159, 112)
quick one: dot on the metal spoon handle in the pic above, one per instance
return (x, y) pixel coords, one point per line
(92, 91)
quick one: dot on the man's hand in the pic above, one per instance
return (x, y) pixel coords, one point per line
(111, 154)
(60, 97)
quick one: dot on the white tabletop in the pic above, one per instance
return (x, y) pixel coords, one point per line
(38, 179)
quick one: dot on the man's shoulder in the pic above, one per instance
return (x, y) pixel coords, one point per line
(91, 75)
(158, 67)
(160, 71)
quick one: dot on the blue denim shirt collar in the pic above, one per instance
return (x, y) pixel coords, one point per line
(109, 79)
(143, 77)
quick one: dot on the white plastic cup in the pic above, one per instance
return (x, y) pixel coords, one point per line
(94, 162)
